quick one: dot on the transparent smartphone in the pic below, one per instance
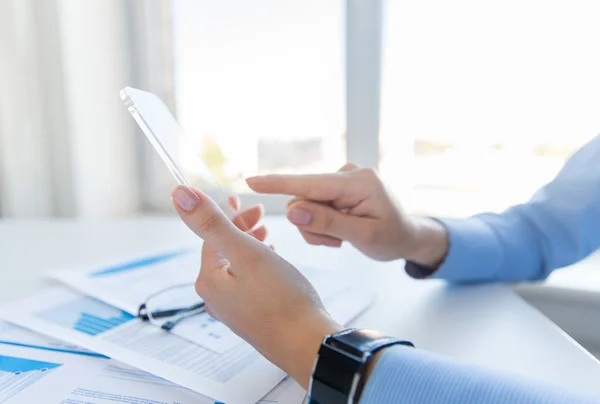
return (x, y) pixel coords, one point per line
(180, 153)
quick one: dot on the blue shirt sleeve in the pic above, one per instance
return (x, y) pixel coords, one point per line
(407, 375)
(557, 227)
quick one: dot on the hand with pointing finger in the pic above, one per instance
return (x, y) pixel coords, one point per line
(353, 205)
(248, 287)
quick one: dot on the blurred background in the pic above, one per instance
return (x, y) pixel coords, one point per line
(463, 106)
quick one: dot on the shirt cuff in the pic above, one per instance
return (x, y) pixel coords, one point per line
(418, 271)
(474, 254)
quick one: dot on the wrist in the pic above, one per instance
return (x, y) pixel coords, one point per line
(429, 242)
(300, 343)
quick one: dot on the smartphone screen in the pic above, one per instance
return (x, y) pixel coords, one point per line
(180, 153)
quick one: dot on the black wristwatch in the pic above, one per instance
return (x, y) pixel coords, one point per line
(338, 372)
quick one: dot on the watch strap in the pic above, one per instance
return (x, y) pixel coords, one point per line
(358, 342)
(341, 363)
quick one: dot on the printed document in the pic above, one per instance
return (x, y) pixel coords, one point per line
(127, 285)
(38, 369)
(240, 375)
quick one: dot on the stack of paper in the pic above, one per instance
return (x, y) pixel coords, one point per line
(199, 361)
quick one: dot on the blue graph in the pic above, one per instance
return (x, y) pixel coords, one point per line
(86, 315)
(14, 365)
(16, 374)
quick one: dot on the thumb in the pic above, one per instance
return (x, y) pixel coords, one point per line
(202, 215)
(322, 219)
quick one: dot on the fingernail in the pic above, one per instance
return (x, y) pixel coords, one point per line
(185, 198)
(299, 216)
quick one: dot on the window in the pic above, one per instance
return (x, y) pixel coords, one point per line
(261, 84)
(482, 102)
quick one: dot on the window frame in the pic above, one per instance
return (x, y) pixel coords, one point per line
(364, 27)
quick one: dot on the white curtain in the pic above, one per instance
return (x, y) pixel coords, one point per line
(67, 145)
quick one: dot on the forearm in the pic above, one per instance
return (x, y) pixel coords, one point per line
(295, 347)
(400, 373)
(557, 227)
(527, 242)
(411, 375)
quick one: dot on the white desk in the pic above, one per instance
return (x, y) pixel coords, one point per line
(487, 325)
(571, 298)
(582, 278)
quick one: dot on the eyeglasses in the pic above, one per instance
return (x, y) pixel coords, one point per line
(168, 307)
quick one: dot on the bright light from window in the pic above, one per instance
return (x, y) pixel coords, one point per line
(261, 83)
(483, 101)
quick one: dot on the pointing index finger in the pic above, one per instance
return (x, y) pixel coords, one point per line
(316, 187)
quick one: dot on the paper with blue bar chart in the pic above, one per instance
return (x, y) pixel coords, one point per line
(92, 317)
(240, 375)
(36, 369)
(128, 284)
